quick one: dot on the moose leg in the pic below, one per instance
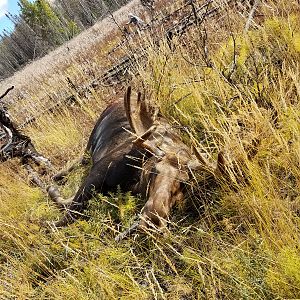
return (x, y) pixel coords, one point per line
(74, 207)
(54, 194)
(61, 175)
(165, 189)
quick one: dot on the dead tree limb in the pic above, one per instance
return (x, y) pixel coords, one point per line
(251, 15)
(7, 91)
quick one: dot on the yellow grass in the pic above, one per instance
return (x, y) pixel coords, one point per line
(238, 239)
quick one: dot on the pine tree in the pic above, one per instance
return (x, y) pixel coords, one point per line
(44, 21)
(41, 27)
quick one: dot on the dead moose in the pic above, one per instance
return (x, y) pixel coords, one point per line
(132, 146)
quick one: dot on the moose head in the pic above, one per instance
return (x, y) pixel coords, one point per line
(171, 164)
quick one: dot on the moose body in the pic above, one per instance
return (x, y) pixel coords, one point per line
(133, 147)
(110, 150)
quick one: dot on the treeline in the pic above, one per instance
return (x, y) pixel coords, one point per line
(41, 27)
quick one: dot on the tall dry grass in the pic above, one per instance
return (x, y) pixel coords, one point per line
(226, 90)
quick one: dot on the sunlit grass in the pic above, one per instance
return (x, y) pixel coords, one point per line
(238, 239)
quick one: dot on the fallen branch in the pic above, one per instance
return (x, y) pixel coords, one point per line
(251, 15)
(7, 91)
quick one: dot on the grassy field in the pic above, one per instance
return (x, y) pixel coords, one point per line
(229, 90)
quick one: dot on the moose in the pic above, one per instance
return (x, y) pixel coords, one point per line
(132, 146)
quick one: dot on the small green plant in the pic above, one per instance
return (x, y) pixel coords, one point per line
(120, 208)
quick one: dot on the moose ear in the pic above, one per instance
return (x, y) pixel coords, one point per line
(201, 162)
(217, 169)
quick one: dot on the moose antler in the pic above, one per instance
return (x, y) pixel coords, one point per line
(202, 160)
(141, 121)
(154, 135)
(137, 113)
